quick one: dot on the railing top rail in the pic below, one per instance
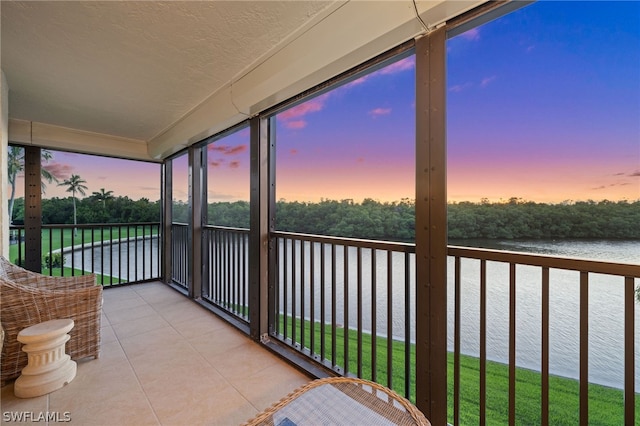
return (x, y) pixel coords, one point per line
(556, 262)
(354, 242)
(86, 225)
(226, 228)
(179, 224)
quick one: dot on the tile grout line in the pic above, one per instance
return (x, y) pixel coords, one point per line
(185, 340)
(135, 373)
(203, 358)
(224, 376)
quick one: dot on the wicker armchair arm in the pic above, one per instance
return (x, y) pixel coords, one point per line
(33, 279)
(23, 305)
(67, 283)
(46, 304)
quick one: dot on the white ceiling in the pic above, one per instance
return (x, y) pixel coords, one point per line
(155, 75)
(132, 69)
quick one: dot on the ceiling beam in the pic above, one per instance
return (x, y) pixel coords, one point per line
(31, 133)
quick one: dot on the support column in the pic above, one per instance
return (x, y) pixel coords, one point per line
(167, 207)
(431, 228)
(32, 209)
(195, 219)
(259, 228)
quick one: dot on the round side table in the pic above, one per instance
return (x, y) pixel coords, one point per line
(48, 367)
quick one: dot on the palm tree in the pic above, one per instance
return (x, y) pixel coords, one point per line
(103, 196)
(74, 184)
(16, 166)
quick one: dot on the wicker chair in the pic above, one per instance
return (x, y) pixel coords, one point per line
(341, 400)
(28, 298)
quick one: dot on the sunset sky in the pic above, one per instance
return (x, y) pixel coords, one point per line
(135, 179)
(543, 104)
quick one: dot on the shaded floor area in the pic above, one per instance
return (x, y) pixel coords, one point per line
(165, 361)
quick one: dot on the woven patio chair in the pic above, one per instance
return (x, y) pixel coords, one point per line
(28, 298)
(341, 401)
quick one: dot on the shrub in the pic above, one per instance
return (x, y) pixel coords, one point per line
(56, 260)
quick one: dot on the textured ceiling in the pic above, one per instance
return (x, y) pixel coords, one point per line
(133, 69)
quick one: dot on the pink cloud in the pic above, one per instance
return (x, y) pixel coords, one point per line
(460, 87)
(472, 34)
(357, 81)
(380, 111)
(234, 164)
(59, 170)
(402, 65)
(611, 185)
(236, 149)
(360, 160)
(297, 124)
(228, 150)
(293, 151)
(313, 105)
(292, 118)
(487, 80)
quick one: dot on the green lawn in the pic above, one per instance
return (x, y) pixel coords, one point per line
(105, 280)
(55, 239)
(606, 405)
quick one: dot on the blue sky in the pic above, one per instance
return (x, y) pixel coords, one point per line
(542, 104)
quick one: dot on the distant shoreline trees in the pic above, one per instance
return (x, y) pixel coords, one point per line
(395, 221)
(90, 210)
(518, 219)
(390, 221)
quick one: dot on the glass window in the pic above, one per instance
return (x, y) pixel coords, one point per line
(543, 155)
(228, 180)
(345, 158)
(180, 189)
(542, 110)
(107, 190)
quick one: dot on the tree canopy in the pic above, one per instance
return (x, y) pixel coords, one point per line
(371, 219)
(395, 221)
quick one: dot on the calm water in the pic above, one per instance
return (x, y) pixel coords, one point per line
(606, 310)
(606, 302)
(132, 260)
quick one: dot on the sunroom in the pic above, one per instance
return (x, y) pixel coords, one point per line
(264, 125)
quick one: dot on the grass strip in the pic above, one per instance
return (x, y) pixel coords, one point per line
(606, 404)
(56, 239)
(105, 280)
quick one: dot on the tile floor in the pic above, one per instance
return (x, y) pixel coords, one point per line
(164, 361)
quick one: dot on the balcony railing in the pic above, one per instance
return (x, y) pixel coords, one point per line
(350, 305)
(117, 253)
(180, 254)
(534, 276)
(226, 266)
